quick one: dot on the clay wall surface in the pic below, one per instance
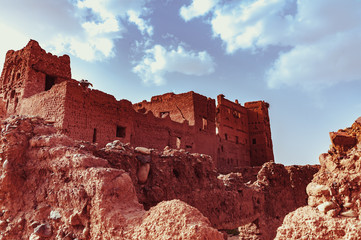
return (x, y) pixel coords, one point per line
(158, 133)
(233, 136)
(189, 108)
(205, 126)
(259, 133)
(94, 116)
(49, 105)
(178, 106)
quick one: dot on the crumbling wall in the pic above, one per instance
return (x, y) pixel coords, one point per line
(179, 107)
(30, 71)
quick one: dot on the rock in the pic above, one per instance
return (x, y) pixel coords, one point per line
(326, 206)
(186, 223)
(307, 223)
(338, 181)
(314, 189)
(55, 215)
(347, 205)
(342, 141)
(349, 213)
(143, 172)
(143, 150)
(43, 230)
(6, 165)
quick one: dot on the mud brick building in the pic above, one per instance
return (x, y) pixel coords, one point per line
(34, 82)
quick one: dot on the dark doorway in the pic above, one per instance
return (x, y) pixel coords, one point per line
(49, 82)
(120, 132)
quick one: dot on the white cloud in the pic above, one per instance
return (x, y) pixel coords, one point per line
(158, 61)
(318, 65)
(142, 25)
(86, 29)
(197, 8)
(323, 37)
(241, 26)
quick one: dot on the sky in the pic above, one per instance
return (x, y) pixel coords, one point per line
(303, 57)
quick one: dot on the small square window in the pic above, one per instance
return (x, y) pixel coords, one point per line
(120, 131)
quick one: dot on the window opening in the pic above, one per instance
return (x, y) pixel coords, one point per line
(16, 103)
(12, 94)
(49, 82)
(204, 123)
(120, 132)
(253, 141)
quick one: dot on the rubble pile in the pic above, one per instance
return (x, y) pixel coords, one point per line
(334, 195)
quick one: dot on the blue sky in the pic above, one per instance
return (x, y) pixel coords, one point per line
(303, 57)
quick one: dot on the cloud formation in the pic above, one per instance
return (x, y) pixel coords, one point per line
(158, 61)
(84, 28)
(197, 8)
(323, 37)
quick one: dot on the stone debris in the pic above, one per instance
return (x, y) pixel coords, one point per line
(43, 230)
(335, 191)
(55, 215)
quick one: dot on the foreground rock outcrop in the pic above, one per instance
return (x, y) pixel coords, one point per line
(334, 202)
(52, 187)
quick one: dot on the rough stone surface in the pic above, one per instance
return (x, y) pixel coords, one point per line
(228, 201)
(57, 189)
(181, 221)
(81, 191)
(333, 195)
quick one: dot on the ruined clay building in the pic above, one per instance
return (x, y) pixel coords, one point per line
(34, 82)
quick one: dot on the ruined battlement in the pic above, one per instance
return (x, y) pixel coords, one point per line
(34, 82)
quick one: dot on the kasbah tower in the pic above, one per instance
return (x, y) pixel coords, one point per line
(37, 83)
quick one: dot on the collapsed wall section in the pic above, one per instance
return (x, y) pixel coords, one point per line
(179, 107)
